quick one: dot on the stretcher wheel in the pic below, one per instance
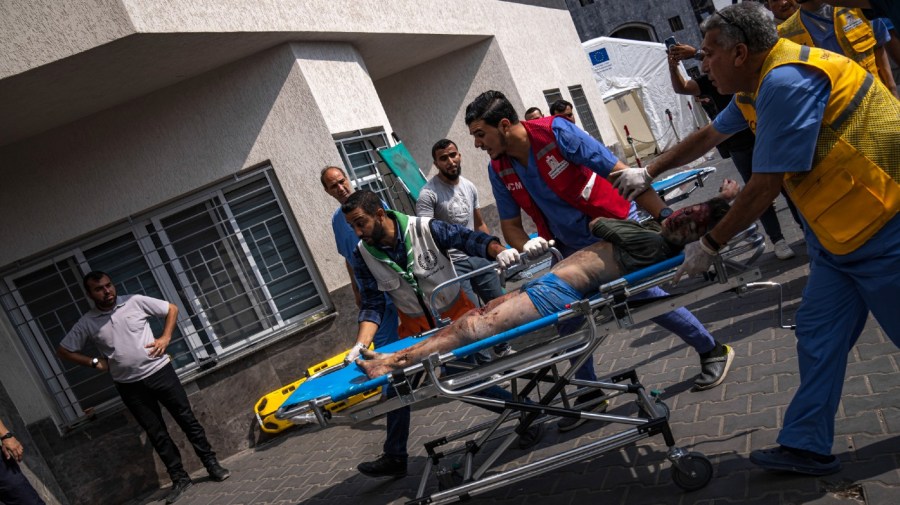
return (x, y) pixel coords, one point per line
(692, 472)
(659, 403)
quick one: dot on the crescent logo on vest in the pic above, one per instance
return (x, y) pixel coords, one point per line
(427, 259)
(556, 166)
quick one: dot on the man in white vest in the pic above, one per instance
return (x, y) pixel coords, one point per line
(407, 257)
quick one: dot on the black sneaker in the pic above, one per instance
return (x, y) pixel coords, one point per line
(531, 437)
(570, 423)
(384, 466)
(714, 366)
(217, 472)
(178, 489)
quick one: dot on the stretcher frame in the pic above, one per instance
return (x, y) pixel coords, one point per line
(485, 444)
(610, 311)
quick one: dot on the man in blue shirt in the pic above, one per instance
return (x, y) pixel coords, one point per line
(828, 131)
(495, 126)
(818, 19)
(873, 8)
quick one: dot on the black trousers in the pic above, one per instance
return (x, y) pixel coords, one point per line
(14, 487)
(144, 397)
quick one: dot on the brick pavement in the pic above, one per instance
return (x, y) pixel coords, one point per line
(311, 466)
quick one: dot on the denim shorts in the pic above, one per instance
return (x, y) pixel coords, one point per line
(550, 294)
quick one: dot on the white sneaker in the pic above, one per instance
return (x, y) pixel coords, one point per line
(783, 250)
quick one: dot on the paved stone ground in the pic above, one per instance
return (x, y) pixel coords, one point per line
(318, 466)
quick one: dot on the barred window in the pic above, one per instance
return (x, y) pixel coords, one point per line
(583, 109)
(359, 151)
(552, 95)
(229, 258)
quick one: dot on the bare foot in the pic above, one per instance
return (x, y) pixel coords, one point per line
(369, 354)
(375, 368)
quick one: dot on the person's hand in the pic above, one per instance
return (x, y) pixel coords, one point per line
(697, 259)
(507, 258)
(354, 352)
(682, 52)
(12, 449)
(631, 182)
(536, 247)
(158, 347)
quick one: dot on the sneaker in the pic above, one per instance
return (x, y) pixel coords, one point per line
(786, 459)
(714, 366)
(531, 437)
(503, 349)
(570, 423)
(217, 472)
(783, 250)
(384, 466)
(178, 489)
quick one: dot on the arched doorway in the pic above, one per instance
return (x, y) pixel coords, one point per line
(635, 31)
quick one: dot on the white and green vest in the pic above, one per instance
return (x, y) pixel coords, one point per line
(427, 267)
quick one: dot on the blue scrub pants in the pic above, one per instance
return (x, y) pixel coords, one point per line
(839, 294)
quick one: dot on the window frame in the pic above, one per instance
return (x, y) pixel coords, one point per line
(51, 371)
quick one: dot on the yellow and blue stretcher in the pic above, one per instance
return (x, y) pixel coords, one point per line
(266, 406)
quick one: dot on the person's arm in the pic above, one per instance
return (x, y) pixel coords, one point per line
(514, 232)
(884, 70)
(82, 359)
(356, 295)
(158, 347)
(679, 84)
(371, 307)
(479, 223)
(11, 447)
(580, 148)
(70, 346)
(426, 203)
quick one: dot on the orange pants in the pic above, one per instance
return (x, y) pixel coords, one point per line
(410, 326)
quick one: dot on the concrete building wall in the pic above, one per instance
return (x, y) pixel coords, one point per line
(280, 105)
(340, 83)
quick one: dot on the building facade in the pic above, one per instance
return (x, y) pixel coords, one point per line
(178, 147)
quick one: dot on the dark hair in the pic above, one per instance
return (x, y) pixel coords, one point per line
(325, 171)
(363, 199)
(93, 275)
(559, 106)
(532, 109)
(491, 107)
(441, 144)
(718, 207)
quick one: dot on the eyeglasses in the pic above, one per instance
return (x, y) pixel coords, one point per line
(732, 23)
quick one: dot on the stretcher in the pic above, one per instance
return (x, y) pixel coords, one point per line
(268, 404)
(476, 460)
(673, 188)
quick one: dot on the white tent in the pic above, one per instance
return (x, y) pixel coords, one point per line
(632, 73)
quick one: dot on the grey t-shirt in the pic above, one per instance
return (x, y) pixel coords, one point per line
(120, 334)
(453, 204)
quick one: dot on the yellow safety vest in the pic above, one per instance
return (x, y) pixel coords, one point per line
(853, 188)
(854, 35)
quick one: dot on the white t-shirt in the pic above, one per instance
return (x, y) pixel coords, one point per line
(120, 334)
(454, 204)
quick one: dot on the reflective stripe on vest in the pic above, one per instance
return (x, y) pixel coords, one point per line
(852, 189)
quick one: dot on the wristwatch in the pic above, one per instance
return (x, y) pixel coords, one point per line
(663, 214)
(95, 362)
(9, 434)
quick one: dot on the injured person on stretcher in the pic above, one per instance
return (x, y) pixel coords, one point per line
(627, 246)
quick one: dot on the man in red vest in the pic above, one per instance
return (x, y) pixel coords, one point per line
(556, 173)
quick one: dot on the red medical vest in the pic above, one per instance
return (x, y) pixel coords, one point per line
(576, 185)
